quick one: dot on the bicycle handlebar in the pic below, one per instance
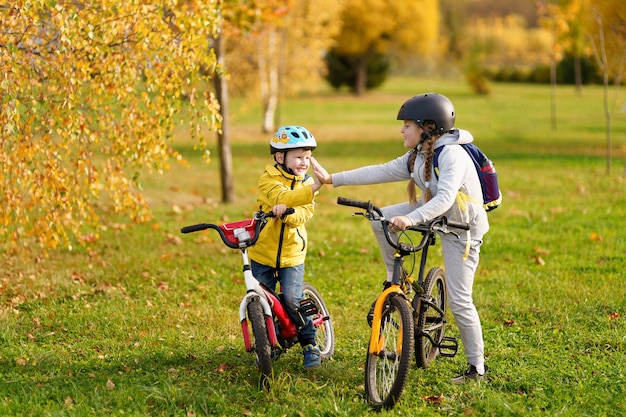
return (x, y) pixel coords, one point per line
(258, 222)
(195, 228)
(440, 223)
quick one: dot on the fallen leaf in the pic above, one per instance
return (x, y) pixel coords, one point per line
(595, 237)
(110, 385)
(433, 399)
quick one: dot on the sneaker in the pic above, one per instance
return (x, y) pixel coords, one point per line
(470, 375)
(312, 357)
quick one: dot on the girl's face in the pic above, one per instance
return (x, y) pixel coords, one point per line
(298, 160)
(412, 134)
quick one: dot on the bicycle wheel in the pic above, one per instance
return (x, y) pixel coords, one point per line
(261, 342)
(430, 323)
(325, 338)
(386, 372)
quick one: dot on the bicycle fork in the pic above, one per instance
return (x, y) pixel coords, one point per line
(376, 341)
(255, 293)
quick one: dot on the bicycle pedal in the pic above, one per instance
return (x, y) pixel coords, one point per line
(308, 307)
(448, 347)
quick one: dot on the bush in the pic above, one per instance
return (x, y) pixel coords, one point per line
(342, 70)
(590, 73)
(540, 74)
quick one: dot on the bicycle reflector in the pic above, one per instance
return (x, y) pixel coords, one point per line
(238, 232)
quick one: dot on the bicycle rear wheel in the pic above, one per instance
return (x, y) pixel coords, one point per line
(387, 371)
(430, 324)
(325, 338)
(261, 342)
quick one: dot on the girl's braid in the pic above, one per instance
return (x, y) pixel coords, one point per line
(430, 146)
(428, 165)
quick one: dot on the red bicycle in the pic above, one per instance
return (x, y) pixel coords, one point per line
(273, 330)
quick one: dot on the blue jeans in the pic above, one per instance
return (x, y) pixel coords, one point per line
(292, 283)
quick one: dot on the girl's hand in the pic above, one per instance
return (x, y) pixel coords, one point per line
(400, 223)
(279, 210)
(320, 173)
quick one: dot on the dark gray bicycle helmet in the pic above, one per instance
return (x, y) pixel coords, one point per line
(429, 106)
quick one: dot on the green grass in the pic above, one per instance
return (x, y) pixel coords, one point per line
(145, 321)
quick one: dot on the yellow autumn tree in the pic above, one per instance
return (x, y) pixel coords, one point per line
(282, 55)
(89, 94)
(369, 27)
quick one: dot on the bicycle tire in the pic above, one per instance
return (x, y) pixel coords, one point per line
(429, 321)
(325, 338)
(386, 373)
(261, 342)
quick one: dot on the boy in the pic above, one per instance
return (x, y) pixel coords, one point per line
(280, 251)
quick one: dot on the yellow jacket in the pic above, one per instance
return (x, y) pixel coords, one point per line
(283, 242)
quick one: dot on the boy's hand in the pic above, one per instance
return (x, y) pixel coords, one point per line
(320, 173)
(279, 210)
(316, 184)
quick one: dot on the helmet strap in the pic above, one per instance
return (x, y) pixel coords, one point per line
(282, 164)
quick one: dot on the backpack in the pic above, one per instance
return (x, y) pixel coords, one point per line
(486, 174)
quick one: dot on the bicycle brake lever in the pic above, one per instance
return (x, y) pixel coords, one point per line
(444, 229)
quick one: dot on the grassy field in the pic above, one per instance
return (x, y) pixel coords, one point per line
(144, 322)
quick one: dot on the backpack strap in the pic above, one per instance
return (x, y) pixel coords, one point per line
(410, 166)
(461, 199)
(436, 160)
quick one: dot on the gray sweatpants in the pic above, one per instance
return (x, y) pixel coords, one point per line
(459, 280)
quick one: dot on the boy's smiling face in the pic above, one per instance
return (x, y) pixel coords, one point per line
(298, 160)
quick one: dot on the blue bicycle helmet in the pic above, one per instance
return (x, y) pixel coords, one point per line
(292, 137)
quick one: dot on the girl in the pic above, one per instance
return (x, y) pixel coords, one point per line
(428, 123)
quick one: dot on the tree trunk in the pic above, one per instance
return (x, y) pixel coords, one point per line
(553, 80)
(361, 76)
(223, 136)
(578, 77)
(268, 74)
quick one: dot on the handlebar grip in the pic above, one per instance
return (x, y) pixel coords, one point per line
(288, 211)
(458, 225)
(353, 203)
(194, 228)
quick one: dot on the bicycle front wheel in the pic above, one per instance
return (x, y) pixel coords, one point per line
(387, 369)
(431, 317)
(325, 338)
(261, 343)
